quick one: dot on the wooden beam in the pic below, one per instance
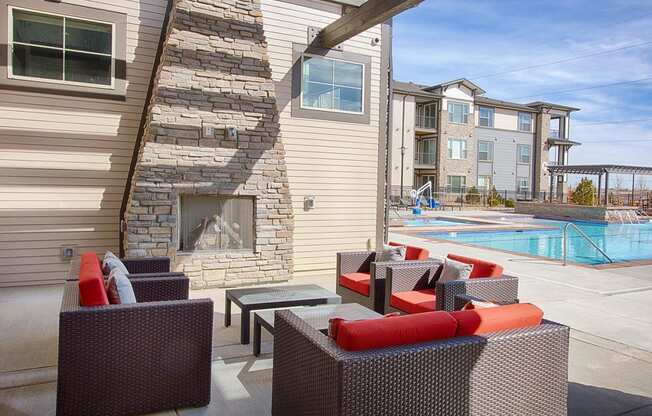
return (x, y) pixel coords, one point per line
(370, 14)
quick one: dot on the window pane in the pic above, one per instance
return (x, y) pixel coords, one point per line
(348, 99)
(82, 67)
(348, 75)
(30, 61)
(88, 36)
(38, 29)
(317, 95)
(317, 69)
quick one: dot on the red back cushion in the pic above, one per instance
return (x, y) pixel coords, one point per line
(400, 330)
(412, 252)
(481, 268)
(501, 318)
(91, 281)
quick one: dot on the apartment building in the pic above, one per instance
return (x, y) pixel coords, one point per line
(454, 136)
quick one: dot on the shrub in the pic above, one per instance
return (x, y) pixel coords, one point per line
(584, 193)
(494, 199)
(472, 196)
(509, 203)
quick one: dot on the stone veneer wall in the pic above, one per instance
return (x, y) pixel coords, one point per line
(567, 211)
(214, 72)
(467, 167)
(542, 150)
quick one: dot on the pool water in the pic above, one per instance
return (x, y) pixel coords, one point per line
(621, 242)
(434, 222)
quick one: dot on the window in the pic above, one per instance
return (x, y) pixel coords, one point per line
(522, 184)
(456, 149)
(427, 116)
(525, 122)
(523, 155)
(332, 85)
(485, 151)
(426, 152)
(60, 49)
(456, 183)
(209, 223)
(458, 112)
(486, 117)
(484, 182)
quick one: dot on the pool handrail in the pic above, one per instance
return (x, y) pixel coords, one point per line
(583, 235)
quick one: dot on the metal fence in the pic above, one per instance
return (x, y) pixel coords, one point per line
(449, 197)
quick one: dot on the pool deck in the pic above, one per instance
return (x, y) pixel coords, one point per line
(609, 311)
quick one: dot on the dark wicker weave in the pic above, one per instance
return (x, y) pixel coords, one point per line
(405, 277)
(137, 267)
(517, 372)
(462, 300)
(363, 262)
(138, 358)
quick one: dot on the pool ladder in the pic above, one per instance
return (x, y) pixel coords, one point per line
(583, 235)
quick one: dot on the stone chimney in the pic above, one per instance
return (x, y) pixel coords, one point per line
(210, 187)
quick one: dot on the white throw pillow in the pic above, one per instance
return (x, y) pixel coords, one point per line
(391, 253)
(111, 261)
(455, 270)
(119, 289)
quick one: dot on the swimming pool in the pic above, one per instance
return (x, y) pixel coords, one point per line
(621, 242)
(434, 222)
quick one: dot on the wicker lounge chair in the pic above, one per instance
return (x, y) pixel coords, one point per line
(514, 372)
(406, 290)
(365, 278)
(136, 358)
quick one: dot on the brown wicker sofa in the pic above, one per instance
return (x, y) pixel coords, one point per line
(364, 263)
(406, 278)
(135, 358)
(515, 372)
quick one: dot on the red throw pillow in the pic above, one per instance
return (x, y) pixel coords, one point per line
(400, 330)
(502, 318)
(91, 281)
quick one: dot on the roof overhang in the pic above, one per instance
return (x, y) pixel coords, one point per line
(599, 169)
(543, 104)
(462, 81)
(563, 142)
(490, 102)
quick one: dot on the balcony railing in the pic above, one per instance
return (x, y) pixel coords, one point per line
(426, 122)
(422, 158)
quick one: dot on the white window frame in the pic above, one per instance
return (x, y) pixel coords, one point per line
(362, 89)
(522, 184)
(449, 184)
(463, 149)
(490, 118)
(490, 151)
(10, 43)
(519, 153)
(520, 124)
(490, 182)
(465, 112)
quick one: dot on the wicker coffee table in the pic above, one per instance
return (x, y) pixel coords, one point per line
(316, 316)
(256, 298)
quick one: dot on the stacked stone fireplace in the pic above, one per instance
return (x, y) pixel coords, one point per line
(213, 132)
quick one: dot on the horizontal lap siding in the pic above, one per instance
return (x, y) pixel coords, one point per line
(64, 160)
(337, 162)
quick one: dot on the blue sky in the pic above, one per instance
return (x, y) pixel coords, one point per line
(442, 40)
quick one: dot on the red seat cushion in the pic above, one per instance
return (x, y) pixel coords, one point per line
(412, 252)
(414, 301)
(501, 318)
(358, 282)
(400, 330)
(91, 281)
(481, 268)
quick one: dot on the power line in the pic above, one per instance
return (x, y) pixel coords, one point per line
(558, 92)
(609, 141)
(579, 123)
(560, 61)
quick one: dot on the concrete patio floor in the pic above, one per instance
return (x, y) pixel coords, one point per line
(610, 358)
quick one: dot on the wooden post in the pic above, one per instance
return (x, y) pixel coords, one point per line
(370, 14)
(606, 189)
(633, 181)
(599, 189)
(552, 183)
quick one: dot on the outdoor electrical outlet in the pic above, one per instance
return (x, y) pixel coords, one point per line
(209, 132)
(309, 202)
(68, 252)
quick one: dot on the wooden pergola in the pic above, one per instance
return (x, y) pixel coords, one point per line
(599, 171)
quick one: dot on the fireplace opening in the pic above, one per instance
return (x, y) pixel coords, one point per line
(215, 223)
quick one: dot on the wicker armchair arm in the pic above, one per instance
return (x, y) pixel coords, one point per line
(147, 265)
(306, 373)
(462, 300)
(160, 288)
(150, 275)
(500, 289)
(352, 262)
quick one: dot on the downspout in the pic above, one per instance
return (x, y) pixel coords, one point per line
(143, 121)
(403, 142)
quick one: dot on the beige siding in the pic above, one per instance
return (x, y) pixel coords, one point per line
(336, 162)
(64, 160)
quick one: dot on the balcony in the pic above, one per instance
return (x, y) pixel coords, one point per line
(426, 123)
(422, 159)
